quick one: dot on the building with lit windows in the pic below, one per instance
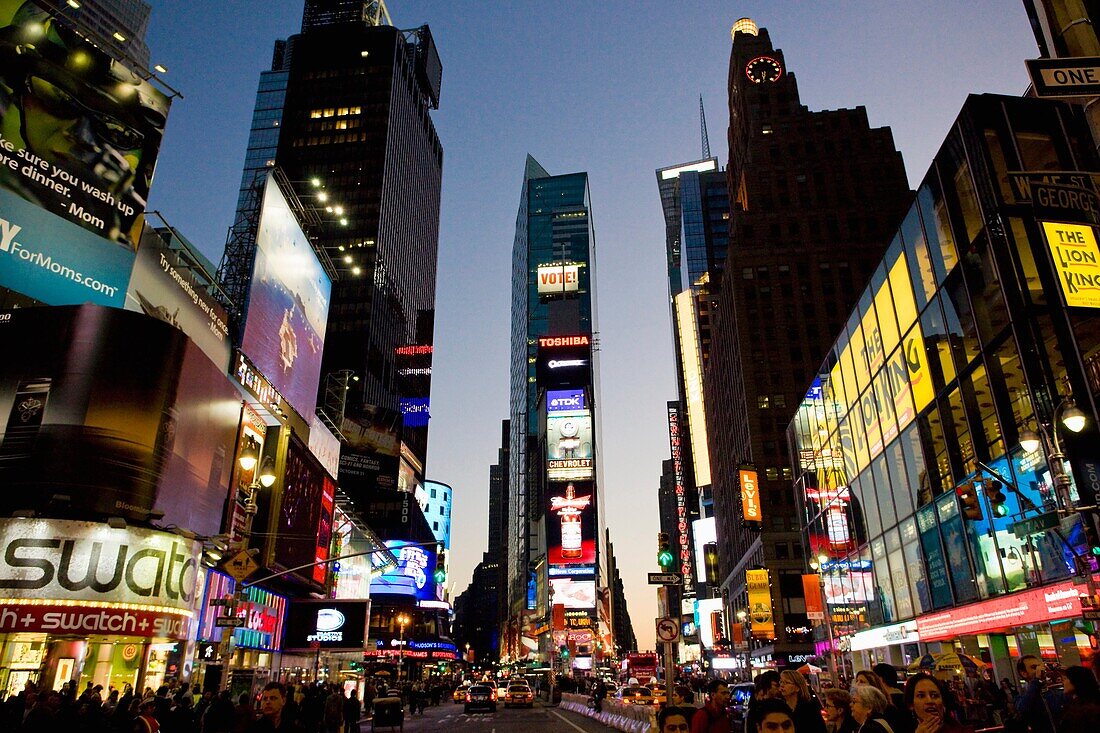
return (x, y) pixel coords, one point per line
(925, 453)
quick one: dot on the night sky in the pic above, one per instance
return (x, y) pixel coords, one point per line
(609, 88)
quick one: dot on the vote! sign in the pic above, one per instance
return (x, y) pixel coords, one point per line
(556, 279)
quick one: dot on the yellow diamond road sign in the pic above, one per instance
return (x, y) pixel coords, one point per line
(241, 565)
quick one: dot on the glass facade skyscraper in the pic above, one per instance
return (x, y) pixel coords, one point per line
(971, 333)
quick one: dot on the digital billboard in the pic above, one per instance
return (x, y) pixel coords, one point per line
(284, 330)
(414, 573)
(571, 526)
(564, 361)
(371, 454)
(415, 411)
(569, 455)
(110, 429)
(558, 279)
(305, 515)
(312, 625)
(79, 132)
(163, 285)
(760, 604)
(572, 593)
(564, 400)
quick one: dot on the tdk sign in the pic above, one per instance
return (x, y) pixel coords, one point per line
(563, 400)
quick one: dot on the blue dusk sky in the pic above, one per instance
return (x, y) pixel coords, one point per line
(609, 88)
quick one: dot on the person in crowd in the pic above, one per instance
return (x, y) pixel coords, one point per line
(805, 711)
(673, 720)
(775, 717)
(714, 716)
(1036, 707)
(1082, 711)
(889, 677)
(899, 718)
(765, 687)
(926, 697)
(353, 711)
(334, 710)
(272, 702)
(682, 696)
(218, 717)
(146, 720)
(838, 710)
(868, 705)
(242, 714)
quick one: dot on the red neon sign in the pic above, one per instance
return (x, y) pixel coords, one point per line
(550, 341)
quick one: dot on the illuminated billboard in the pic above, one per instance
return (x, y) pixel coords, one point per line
(414, 411)
(305, 514)
(760, 604)
(371, 454)
(572, 593)
(79, 132)
(706, 532)
(557, 279)
(707, 612)
(284, 331)
(692, 362)
(564, 361)
(676, 445)
(750, 495)
(571, 525)
(313, 625)
(564, 400)
(413, 575)
(569, 455)
(1076, 259)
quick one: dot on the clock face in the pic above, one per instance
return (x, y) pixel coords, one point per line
(762, 69)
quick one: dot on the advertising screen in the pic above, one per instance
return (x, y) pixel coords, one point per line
(564, 400)
(571, 526)
(705, 531)
(705, 610)
(760, 604)
(324, 445)
(572, 593)
(326, 625)
(164, 285)
(284, 329)
(79, 132)
(115, 430)
(558, 279)
(413, 575)
(369, 459)
(305, 518)
(414, 412)
(564, 361)
(569, 446)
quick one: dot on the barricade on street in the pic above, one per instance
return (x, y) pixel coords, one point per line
(620, 716)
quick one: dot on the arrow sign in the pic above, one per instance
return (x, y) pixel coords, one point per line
(668, 630)
(665, 579)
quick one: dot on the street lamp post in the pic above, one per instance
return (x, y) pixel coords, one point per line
(818, 564)
(741, 616)
(261, 479)
(402, 622)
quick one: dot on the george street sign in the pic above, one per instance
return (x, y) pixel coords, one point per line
(1067, 77)
(1036, 525)
(665, 579)
(228, 621)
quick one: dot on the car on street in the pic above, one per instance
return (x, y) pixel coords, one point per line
(635, 695)
(481, 697)
(460, 693)
(519, 694)
(659, 695)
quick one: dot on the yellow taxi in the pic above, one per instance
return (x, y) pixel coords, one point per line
(460, 694)
(634, 695)
(659, 695)
(519, 694)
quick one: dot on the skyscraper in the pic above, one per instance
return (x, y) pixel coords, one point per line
(815, 197)
(101, 20)
(345, 112)
(554, 515)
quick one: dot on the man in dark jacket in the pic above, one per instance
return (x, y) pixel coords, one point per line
(1037, 707)
(714, 716)
(272, 702)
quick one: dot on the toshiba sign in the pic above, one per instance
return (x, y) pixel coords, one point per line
(556, 279)
(554, 341)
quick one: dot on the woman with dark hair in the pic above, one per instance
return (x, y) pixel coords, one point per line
(838, 710)
(1082, 712)
(805, 711)
(925, 696)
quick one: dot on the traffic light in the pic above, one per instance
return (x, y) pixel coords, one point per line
(995, 491)
(441, 567)
(564, 651)
(969, 503)
(664, 551)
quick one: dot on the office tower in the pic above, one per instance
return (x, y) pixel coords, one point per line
(553, 505)
(814, 199)
(345, 113)
(498, 495)
(101, 20)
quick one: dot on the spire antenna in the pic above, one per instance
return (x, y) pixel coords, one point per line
(703, 128)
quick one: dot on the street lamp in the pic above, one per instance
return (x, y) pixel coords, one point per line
(818, 564)
(402, 622)
(741, 616)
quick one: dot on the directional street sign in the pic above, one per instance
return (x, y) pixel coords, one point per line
(1091, 614)
(665, 579)
(1036, 525)
(241, 565)
(228, 621)
(668, 631)
(1070, 77)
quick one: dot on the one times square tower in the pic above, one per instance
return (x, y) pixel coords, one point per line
(345, 113)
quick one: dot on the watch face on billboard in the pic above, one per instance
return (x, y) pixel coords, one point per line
(569, 446)
(574, 593)
(326, 625)
(571, 525)
(284, 331)
(413, 575)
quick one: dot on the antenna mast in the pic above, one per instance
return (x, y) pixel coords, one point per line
(703, 129)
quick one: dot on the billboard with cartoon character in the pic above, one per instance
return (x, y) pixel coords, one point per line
(569, 455)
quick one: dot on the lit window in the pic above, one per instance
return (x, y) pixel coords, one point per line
(763, 402)
(355, 110)
(342, 125)
(329, 112)
(342, 112)
(314, 114)
(772, 473)
(787, 474)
